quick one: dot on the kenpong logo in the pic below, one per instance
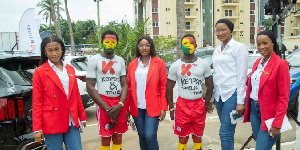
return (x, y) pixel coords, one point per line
(108, 66)
(185, 69)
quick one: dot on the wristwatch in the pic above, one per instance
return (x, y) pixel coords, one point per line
(121, 103)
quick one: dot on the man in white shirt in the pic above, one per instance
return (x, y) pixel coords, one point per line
(108, 71)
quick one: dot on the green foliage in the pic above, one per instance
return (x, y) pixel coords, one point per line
(268, 24)
(165, 48)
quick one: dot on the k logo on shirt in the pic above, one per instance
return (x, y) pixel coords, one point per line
(185, 69)
(108, 66)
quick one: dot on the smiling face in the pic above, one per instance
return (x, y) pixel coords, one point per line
(188, 45)
(53, 52)
(223, 32)
(109, 43)
(144, 47)
(265, 46)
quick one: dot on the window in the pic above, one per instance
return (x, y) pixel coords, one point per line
(251, 24)
(154, 10)
(155, 24)
(252, 1)
(187, 25)
(228, 12)
(241, 11)
(167, 9)
(169, 36)
(188, 12)
(251, 36)
(168, 22)
(251, 11)
(241, 23)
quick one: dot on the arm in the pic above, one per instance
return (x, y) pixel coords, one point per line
(114, 112)
(283, 89)
(209, 91)
(162, 87)
(170, 86)
(241, 64)
(37, 107)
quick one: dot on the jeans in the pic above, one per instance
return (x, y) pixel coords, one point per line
(227, 129)
(71, 140)
(263, 139)
(147, 129)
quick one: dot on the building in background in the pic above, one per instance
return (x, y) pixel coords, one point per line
(292, 28)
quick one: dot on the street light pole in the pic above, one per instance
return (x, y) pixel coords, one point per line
(98, 18)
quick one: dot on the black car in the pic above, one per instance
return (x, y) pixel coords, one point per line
(16, 70)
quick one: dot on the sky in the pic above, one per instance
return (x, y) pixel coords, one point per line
(110, 10)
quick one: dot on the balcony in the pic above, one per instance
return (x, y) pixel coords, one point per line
(190, 2)
(297, 14)
(296, 26)
(189, 28)
(230, 16)
(226, 3)
(191, 15)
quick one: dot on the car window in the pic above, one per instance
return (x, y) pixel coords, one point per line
(251, 61)
(294, 60)
(80, 64)
(10, 78)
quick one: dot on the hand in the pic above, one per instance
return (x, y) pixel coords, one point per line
(240, 109)
(172, 114)
(127, 115)
(83, 124)
(39, 136)
(113, 113)
(275, 131)
(209, 107)
(162, 115)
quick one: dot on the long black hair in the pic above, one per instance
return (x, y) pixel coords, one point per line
(272, 36)
(49, 40)
(152, 48)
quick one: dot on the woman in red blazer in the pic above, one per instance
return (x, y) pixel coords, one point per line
(268, 90)
(57, 105)
(146, 98)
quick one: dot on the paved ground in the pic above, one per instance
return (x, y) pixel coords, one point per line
(168, 141)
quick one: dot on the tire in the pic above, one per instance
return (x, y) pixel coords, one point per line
(30, 144)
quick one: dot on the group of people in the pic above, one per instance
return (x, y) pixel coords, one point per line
(146, 92)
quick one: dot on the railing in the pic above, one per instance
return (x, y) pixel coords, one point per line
(232, 15)
(230, 1)
(188, 13)
(190, 28)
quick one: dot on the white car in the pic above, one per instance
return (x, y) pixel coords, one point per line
(251, 60)
(80, 65)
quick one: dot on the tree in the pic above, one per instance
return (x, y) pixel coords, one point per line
(46, 9)
(58, 19)
(180, 16)
(55, 18)
(70, 26)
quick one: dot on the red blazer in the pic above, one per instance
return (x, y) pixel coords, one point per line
(50, 106)
(155, 88)
(273, 93)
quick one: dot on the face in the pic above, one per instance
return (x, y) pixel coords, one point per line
(53, 52)
(264, 46)
(188, 45)
(109, 43)
(223, 32)
(144, 47)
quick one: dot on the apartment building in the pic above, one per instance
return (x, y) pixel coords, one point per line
(200, 17)
(292, 27)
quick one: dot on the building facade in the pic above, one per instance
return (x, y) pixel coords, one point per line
(200, 18)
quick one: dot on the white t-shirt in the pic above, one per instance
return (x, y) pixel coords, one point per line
(107, 73)
(189, 77)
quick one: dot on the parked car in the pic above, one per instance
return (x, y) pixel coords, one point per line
(80, 65)
(16, 72)
(294, 64)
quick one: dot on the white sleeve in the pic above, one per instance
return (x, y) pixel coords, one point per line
(123, 68)
(207, 70)
(242, 66)
(173, 72)
(91, 68)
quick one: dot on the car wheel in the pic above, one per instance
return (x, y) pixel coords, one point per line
(31, 145)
